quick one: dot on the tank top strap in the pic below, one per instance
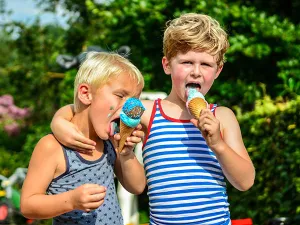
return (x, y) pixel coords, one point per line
(156, 104)
(212, 108)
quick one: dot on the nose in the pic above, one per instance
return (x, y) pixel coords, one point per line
(196, 71)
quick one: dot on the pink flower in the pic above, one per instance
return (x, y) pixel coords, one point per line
(3, 110)
(6, 100)
(12, 129)
(18, 113)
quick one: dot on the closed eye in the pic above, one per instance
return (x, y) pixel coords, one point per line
(120, 96)
(206, 64)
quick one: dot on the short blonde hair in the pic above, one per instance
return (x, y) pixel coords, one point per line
(99, 67)
(196, 32)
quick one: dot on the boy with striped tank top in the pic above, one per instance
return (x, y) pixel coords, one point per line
(187, 160)
(75, 188)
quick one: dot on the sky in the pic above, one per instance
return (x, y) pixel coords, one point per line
(26, 11)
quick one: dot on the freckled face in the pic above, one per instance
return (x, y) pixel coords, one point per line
(193, 67)
(107, 102)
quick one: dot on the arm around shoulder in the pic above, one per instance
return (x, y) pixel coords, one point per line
(60, 120)
(67, 133)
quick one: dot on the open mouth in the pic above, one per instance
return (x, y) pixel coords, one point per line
(193, 85)
(115, 126)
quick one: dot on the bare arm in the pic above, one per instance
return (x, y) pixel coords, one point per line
(43, 167)
(67, 133)
(229, 148)
(128, 169)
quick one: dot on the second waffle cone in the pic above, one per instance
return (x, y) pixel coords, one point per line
(196, 105)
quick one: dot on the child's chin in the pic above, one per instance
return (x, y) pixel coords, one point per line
(105, 137)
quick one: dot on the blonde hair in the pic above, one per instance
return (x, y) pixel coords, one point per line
(99, 67)
(196, 32)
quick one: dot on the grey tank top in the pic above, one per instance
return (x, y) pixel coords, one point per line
(80, 171)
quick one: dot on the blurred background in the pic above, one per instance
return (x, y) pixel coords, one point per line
(260, 80)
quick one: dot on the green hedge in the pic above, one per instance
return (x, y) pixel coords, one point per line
(271, 134)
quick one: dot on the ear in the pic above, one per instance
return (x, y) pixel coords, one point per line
(166, 65)
(84, 93)
(218, 71)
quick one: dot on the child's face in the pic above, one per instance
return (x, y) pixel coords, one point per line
(107, 102)
(197, 69)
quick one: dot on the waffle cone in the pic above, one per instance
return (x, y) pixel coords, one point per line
(125, 131)
(196, 105)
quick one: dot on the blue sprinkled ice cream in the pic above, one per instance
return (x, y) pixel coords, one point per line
(130, 117)
(131, 112)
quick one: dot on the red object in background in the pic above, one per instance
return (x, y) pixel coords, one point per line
(29, 221)
(3, 212)
(246, 221)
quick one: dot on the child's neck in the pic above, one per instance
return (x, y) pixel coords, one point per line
(84, 126)
(176, 101)
(175, 108)
(94, 154)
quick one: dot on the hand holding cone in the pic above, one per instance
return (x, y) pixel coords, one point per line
(130, 117)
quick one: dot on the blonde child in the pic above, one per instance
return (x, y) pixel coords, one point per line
(75, 188)
(186, 160)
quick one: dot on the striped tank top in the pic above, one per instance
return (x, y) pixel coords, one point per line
(186, 184)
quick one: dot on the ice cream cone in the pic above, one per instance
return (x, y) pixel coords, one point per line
(195, 106)
(130, 118)
(125, 131)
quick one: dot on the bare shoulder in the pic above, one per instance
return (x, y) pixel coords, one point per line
(47, 146)
(145, 119)
(226, 117)
(223, 112)
(46, 157)
(148, 104)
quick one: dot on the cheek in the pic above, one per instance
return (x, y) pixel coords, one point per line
(209, 75)
(177, 81)
(100, 108)
(179, 75)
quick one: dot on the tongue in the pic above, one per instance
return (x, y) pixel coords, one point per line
(111, 131)
(114, 128)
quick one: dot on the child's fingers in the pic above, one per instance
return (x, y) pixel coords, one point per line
(117, 136)
(133, 140)
(97, 197)
(93, 205)
(84, 142)
(83, 146)
(83, 151)
(94, 188)
(138, 133)
(195, 122)
(139, 127)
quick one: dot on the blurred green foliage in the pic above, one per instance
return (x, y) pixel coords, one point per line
(260, 80)
(271, 133)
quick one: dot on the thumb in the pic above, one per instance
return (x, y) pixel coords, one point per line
(195, 122)
(95, 188)
(117, 136)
